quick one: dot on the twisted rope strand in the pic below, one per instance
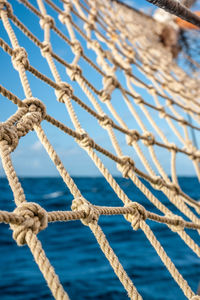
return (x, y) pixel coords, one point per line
(119, 44)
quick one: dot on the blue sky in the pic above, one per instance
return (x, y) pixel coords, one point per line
(30, 159)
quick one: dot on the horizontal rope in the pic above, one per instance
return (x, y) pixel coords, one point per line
(38, 43)
(55, 216)
(124, 49)
(6, 93)
(103, 151)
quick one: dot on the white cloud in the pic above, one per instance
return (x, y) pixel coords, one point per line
(36, 163)
(37, 146)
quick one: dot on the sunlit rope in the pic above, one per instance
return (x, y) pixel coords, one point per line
(124, 49)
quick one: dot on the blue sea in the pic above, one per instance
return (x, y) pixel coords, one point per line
(73, 251)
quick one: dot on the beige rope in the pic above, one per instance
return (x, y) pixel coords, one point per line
(45, 266)
(126, 46)
(53, 216)
(91, 221)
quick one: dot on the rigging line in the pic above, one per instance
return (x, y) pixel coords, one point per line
(192, 132)
(178, 9)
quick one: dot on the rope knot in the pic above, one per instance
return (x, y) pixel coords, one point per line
(95, 44)
(20, 57)
(192, 149)
(5, 6)
(173, 147)
(105, 121)
(183, 121)
(169, 102)
(65, 14)
(92, 18)
(138, 214)
(93, 13)
(107, 54)
(91, 214)
(74, 71)
(151, 89)
(126, 165)
(138, 100)
(158, 183)
(35, 219)
(128, 72)
(46, 48)
(133, 136)
(109, 84)
(77, 48)
(180, 223)
(85, 141)
(88, 26)
(162, 112)
(65, 89)
(9, 134)
(112, 35)
(36, 113)
(35, 105)
(104, 96)
(67, 5)
(195, 298)
(174, 188)
(129, 60)
(149, 139)
(47, 20)
(196, 155)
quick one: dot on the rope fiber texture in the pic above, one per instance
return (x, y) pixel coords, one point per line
(122, 40)
(177, 8)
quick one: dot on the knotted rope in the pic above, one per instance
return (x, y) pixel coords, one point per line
(9, 134)
(125, 45)
(138, 215)
(91, 214)
(35, 220)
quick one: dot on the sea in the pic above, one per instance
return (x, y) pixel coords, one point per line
(74, 253)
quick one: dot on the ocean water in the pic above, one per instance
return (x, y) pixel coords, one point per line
(73, 251)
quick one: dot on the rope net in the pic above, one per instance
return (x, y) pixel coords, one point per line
(123, 49)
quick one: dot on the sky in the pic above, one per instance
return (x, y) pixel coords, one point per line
(30, 158)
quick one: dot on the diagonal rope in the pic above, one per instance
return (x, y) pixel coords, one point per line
(116, 47)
